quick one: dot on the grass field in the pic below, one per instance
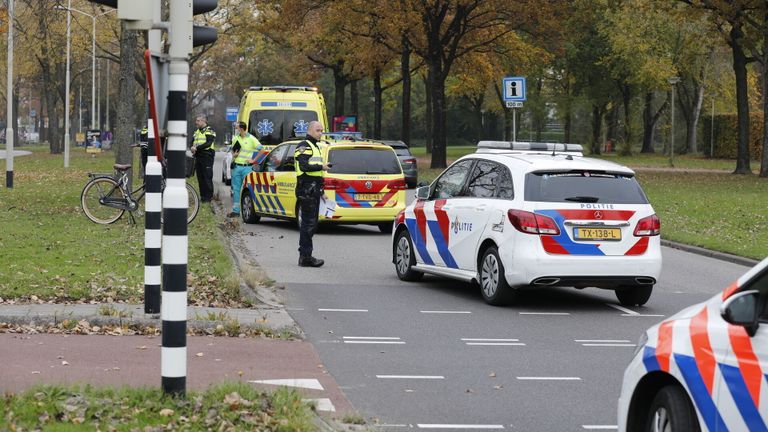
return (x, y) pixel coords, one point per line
(51, 252)
(715, 210)
(223, 407)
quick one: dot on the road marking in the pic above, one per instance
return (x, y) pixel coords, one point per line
(445, 312)
(495, 344)
(607, 345)
(458, 426)
(551, 378)
(292, 382)
(384, 340)
(372, 337)
(342, 310)
(603, 427)
(489, 340)
(544, 313)
(428, 377)
(322, 404)
(630, 312)
(602, 340)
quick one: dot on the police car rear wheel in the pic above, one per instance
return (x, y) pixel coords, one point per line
(671, 411)
(405, 258)
(635, 295)
(246, 209)
(493, 285)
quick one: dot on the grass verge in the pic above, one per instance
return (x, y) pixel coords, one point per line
(235, 406)
(53, 253)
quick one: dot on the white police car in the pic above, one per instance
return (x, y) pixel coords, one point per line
(516, 215)
(704, 368)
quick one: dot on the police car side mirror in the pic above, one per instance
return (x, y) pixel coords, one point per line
(422, 193)
(741, 309)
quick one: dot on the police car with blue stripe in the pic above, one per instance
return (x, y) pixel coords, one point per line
(704, 368)
(526, 215)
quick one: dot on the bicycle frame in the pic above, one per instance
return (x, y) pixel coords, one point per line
(127, 202)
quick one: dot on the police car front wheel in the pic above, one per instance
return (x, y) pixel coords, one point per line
(493, 284)
(671, 411)
(405, 258)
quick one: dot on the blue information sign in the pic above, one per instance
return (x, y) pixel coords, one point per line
(514, 89)
(232, 113)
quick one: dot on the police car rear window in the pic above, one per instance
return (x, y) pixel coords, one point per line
(363, 161)
(272, 127)
(583, 186)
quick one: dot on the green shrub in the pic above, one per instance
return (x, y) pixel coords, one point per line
(726, 135)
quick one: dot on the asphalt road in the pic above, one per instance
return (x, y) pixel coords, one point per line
(432, 355)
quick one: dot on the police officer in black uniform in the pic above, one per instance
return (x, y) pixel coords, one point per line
(309, 188)
(204, 150)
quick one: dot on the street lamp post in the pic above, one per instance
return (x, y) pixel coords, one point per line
(9, 99)
(673, 81)
(66, 90)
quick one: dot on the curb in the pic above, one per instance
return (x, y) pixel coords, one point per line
(748, 262)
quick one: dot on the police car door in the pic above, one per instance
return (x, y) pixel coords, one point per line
(743, 393)
(449, 191)
(471, 214)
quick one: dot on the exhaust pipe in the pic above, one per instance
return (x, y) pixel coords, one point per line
(645, 280)
(546, 281)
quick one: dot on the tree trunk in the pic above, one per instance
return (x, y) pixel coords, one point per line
(648, 124)
(567, 119)
(339, 84)
(764, 159)
(539, 114)
(377, 92)
(429, 108)
(126, 117)
(15, 117)
(692, 124)
(507, 134)
(439, 113)
(353, 97)
(742, 101)
(613, 122)
(405, 71)
(626, 94)
(597, 123)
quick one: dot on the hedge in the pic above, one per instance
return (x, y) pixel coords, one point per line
(726, 135)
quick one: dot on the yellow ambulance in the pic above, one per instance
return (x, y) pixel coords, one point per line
(275, 114)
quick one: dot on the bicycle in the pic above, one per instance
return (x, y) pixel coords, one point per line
(105, 198)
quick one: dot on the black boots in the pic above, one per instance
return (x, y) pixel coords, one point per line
(310, 261)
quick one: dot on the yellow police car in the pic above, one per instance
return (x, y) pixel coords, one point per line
(364, 185)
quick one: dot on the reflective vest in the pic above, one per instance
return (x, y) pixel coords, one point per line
(144, 136)
(201, 136)
(315, 158)
(248, 146)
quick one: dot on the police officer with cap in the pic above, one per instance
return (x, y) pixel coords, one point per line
(204, 150)
(309, 188)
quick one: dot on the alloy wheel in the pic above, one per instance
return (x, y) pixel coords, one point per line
(489, 278)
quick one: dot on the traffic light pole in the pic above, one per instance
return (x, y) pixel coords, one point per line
(175, 204)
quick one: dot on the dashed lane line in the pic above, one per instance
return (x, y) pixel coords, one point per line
(459, 426)
(383, 340)
(445, 312)
(548, 378)
(604, 342)
(425, 377)
(600, 427)
(630, 312)
(341, 310)
(544, 313)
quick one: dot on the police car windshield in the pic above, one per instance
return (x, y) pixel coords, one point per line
(363, 161)
(583, 186)
(272, 127)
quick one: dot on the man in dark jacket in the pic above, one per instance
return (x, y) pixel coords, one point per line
(309, 188)
(204, 149)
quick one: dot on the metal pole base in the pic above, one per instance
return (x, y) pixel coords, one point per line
(9, 179)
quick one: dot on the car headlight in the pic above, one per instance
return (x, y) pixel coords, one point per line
(641, 343)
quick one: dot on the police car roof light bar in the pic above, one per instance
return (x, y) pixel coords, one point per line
(517, 146)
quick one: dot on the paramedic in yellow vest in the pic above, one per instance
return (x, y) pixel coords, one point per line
(309, 188)
(246, 151)
(204, 150)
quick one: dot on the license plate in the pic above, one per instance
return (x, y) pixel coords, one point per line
(597, 234)
(368, 197)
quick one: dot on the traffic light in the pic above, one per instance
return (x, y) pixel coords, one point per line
(203, 35)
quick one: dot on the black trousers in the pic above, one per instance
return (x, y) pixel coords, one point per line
(204, 172)
(309, 207)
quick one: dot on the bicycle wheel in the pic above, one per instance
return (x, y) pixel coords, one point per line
(194, 203)
(90, 200)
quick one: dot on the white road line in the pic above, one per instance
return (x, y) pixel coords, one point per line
(342, 310)
(551, 378)
(642, 315)
(602, 340)
(495, 344)
(623, 309)
(322, 404)
(293, 382)
(490, 340)
(545, 313)
(458, 426)
(445, 312)
(600, 427)
(374, 342)
(608, 345)
(428, 377)
(372, 337)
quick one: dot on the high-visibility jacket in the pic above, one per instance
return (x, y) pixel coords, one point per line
(248, 145)
(202, 136)
(144, 137)
(315, 158)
